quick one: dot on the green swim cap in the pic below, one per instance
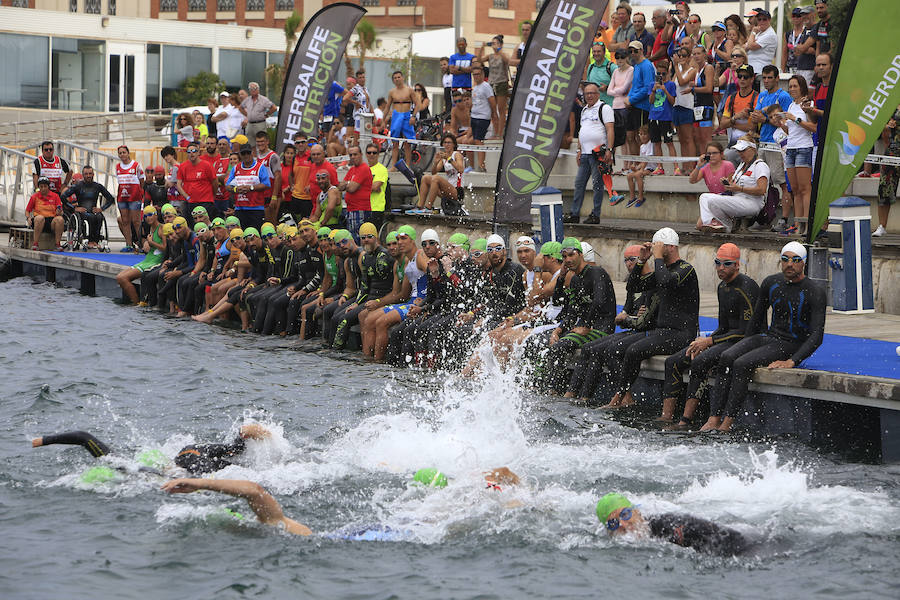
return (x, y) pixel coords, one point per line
(391, 237)
(407, 230)
(430, 477)
(341, 234)
(233, 513)
(154, 459)
(266, 228)
(552, 249)
(200, 227)
(98, 475)
(479, 244)
(199, 210)
(218, 222)
(459, 239)
(251, 231)
(571, 243)
(168, 208)
(323, 232)
(233, 220)
(608, 503)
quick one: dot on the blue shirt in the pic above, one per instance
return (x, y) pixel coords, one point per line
(765, 99)
(661, 109)
(463, 80)
(333, 105)
(641, 84)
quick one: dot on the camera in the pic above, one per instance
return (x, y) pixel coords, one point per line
(706, 157)
(659, 78)
(674, 12)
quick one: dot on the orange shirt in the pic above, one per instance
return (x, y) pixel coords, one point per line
(301, 179)
(44, 206)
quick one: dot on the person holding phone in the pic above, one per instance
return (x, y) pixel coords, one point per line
(714, 170)
(748, 187)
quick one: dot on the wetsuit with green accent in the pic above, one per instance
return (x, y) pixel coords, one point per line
(333, 313)
(78, 438)
(699, 534)
(796, 330)
(154, 258)
(283, 269)
(307, 275)
(189, 287)
(376, 281)
(737, 299)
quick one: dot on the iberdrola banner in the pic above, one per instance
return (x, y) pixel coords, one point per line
(864, 92)
(314, 65)
(546, 84)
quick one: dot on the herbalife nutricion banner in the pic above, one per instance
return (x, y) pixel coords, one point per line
(314, 65)
(546, 84)
(864, 93)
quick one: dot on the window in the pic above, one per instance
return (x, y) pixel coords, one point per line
(73, 6)
(153, 76)
(77, 80)
(168, 5)
(284, 4)
(225, 5)
(369, 2)
(19, 3)
(406, 2)
(501, 4)
(23, 70)
(538, 4)
(92, 7)
(240, 67)
(179, 63)
(197, 5)
(111, 8)
(256, 5)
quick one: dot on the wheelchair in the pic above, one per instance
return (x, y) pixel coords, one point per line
(75, 235)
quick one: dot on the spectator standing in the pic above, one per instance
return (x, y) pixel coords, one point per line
(332, 108)
(184, 130)
(639, 22)
(255, 108)
(799, 56)
(597, 129)
(405, 104)
(762, 42)
(620, 84)
(53, 167)
(704, 102)
(201, 131)
(714, 171)
(748, 186)
(664, 28)
(460, 66)
(129, 197)
(378, 199)
(625, 30)
(300, 204)
(498, 78)
(815, 108)
(446, 83)
(270, 158)
(210, 151)
(222, 115)
(357, 188)
(638, 99)
(212, 106)
(734, 23)
(525, 34)
(728, 80)
(175, 197)
(795, 125)
(196, 181)
(359, 98)
(600, 70)
(221, 167)
(887, 185)
(250, 182)
(683, 112)
(484, 111)
(424, 103)
(720, 52)
(662, 99)
(693, 31)
(738, 106)
(823, 27)
(772, 94)
(44, 211)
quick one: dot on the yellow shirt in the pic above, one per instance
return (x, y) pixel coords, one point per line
(379, 173)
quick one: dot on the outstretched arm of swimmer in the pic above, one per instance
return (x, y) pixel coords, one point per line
(262, 503)
(76, 438)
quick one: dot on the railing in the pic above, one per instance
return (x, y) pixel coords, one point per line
(98, 128)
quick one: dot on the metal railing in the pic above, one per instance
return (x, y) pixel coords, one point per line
(98, 128)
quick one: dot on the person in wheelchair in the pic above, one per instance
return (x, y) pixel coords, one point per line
(85, 214)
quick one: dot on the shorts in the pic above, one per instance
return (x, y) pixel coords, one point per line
(135, 205)
(148, 264)
(661, 132)
(775, 162)
(479, 128)
(682, 116)
(798, 157)
(501, 89)
(401, 127)
(403, 309)
(707, 120)
(636, 117)
(48, 224)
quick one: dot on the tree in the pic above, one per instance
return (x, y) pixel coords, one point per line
(365, 31)
(196, 89)
(291, 25)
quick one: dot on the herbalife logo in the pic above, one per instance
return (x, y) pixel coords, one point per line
(524, 174)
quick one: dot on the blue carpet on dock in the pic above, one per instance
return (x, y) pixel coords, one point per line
(127, 259)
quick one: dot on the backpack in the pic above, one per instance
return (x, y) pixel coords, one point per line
(767, 213)
(729, 103)
(619, 125)
(608, 68)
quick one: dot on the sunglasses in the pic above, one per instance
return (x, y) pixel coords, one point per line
(793, 259)
(426, 243)
(268, 236)
(344, 242)
(367, 236)
(629, 259)
(633, 50)
(477, 254)
(495, 249)
(178, 226)
(624, 515)
(725, 263)
(371, 151)
(743, 76)
(194, 151)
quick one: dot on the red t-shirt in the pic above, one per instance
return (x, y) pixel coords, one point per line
(325, 166)
(46, 206)
(360, 199)
(197, 181)
(211, 159)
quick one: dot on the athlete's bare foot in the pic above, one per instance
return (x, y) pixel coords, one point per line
(206, 317)
(712, 423)
(569, 395)
(181, 314)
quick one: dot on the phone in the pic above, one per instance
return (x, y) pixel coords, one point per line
(706, 158)
(724, 180)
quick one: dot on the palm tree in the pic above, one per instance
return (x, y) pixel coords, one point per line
(366, 33)
(291, 25)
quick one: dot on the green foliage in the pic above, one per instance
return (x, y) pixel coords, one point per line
(195, 90)
(421, 70)
(291, 25)
(366, 32)
(274, 81)
(839, 11)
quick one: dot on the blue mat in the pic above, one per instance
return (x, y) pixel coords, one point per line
(127, 259)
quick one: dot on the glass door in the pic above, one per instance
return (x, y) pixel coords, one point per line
(127, 77)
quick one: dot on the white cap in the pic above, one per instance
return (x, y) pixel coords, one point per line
(430, 235)
(667, 236)
(742, 145)
(495, 239)
(224, 94)
(795, 247)
(525, 242)
(588, 252)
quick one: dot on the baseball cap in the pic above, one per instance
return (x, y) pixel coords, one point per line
(667, 236)
(239, 139)
(245, 148)
(728, 251)
(747, 69)
(761, 12)
(798, 10)
(750, 13)
(620, 53)
(808, 9)
(430, 235)
(742, 145)
(43, 180)
(524, 242)
(721, 25)
(366, 229)
(635, 44)
(226, 94)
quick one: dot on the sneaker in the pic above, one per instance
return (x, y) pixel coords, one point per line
(592, 220)
(780, 224)
(570, 218)
(59, 248)
(792, 230)
(613, 200)
(127, 249)
(35, 246)
(639, 203)
(413, 211)
(880, 231)
(864, 174)
(631, 202)
(659, 171)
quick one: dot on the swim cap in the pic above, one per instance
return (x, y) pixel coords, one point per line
(167, 229)
(459, 239)
(152, 458)
(232, 220)
(407, 230)
(150, 210)
(306, 223)
(200, 227)
(279, 229)
(342, 234)
(480, 244)
(495, 240)
(251, 231)
(368, 229)
(199, 210)
(290, 232)
(609, 503)
(430, 477)
(267, 228)
(218, 222)
(525, 241)
(237, 232)
(391, 237)
(795, 247)
(168, 208)
(323, 232)
(98, 475)
(571, 243)
(728, 251)
(633, 250)
(588, 252)
(430, 235)
(667, 236)
(179, 221)
(552, 249)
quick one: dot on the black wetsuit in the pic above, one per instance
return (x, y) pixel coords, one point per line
(87, 196)
(796, 330)
(677, 321)
(187, 290)
(376, 281)
(306, 274)
(155, 194)
(311, 306)
(188, 256)
(737, 300)
(78, 438)
(696, 533)
(333, 313)
(282, 268)
(261, 261)
(206, 458)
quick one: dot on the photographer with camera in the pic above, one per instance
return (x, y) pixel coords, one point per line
(597, 129)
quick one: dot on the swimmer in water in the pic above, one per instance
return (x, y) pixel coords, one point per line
(621, 516)
(194, 458)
